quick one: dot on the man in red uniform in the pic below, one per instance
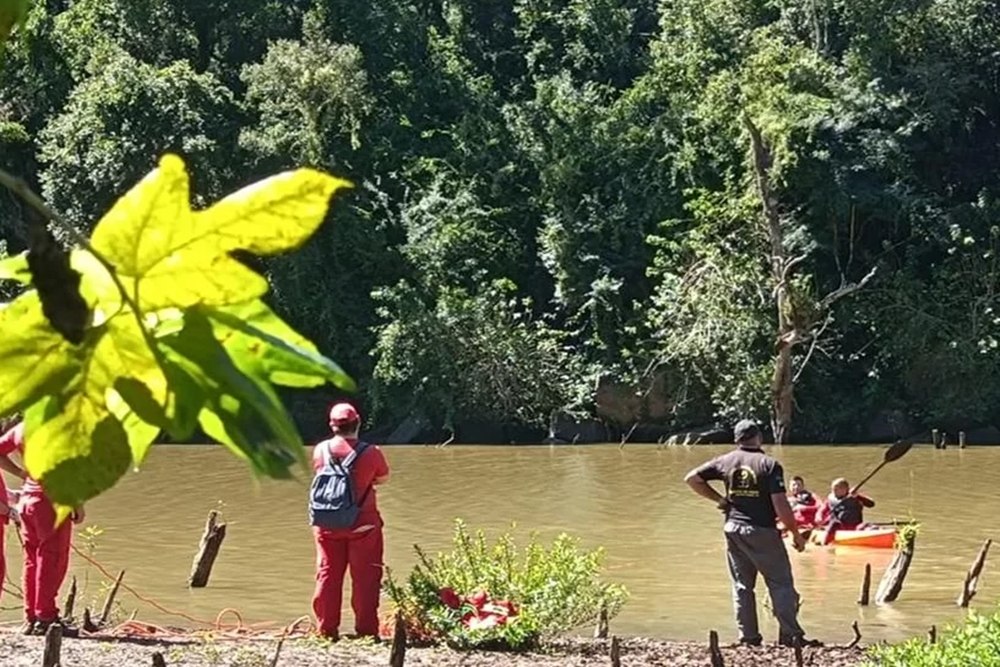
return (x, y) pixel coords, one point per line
(8, 501)
(46, 546)
(358, 547)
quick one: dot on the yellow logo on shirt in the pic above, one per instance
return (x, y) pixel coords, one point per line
(743, 482)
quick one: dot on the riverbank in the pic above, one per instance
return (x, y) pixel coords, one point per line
(18, 651)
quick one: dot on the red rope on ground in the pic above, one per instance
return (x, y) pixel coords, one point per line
(218, 630)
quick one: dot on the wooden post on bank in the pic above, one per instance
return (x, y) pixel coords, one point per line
(892, 581)
(615, 652)
(88, 623)
(713, 649)
(211, 541)
(857, 635)
(158, 660)
(53, 646)
(935, 439)
(932, 635)
(277, 651)
(397, 654)
(972, 576)
(110, 600)
(866, 585)
(70, 601)
(601, 631)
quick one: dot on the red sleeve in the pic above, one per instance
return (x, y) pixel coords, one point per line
(381, 465)
(12, 440)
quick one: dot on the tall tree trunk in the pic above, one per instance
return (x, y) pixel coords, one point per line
(782, 380)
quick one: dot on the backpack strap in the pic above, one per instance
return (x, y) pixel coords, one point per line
(358, 451)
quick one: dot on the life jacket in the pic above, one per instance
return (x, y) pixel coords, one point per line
(805, 509)
(848, 511)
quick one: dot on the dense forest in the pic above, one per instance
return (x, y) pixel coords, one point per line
(579, 214)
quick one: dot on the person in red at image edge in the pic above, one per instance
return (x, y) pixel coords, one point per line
(357, 546)
(8, 501)
(46, 546)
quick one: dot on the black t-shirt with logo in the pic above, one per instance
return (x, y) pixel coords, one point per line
(751, 476)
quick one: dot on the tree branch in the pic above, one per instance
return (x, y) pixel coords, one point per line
(812, 347)
(845, 290)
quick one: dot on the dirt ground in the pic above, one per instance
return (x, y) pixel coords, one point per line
(18, 651)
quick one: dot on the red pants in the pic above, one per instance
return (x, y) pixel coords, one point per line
(3, 557)
(46, 557)
(335, 552)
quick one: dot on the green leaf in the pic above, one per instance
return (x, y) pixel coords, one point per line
(263, 345)
(271, 216)
(178, 257)
(74, 446)
(15, 268)
(239, 411)
(34, 359)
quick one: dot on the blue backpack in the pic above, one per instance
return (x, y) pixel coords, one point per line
(331, 496)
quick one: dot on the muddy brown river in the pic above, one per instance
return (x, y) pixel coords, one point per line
(662, 542)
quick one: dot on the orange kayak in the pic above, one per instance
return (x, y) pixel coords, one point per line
(878, 537)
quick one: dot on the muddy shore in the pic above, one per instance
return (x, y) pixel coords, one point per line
(18, 651)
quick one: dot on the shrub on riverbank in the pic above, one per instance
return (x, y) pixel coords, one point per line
(975, 642)
(482, 595)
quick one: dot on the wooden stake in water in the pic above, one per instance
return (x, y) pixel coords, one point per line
(616, 652)
(866, 584)
(972, 576)
(211, 542)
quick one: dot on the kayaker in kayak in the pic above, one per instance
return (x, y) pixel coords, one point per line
(804, 503)
(842, 508)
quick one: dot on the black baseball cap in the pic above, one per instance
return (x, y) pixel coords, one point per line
(745, 429)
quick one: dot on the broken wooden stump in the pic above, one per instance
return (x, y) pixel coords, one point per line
(88, 623)
(70, 601)
(961, 439)
(397, 654)
(866, 585)
(616, 652)
(53, 646)
(932, 635)
(110, 600)
(158, 660)
(857, 635)
(601, 631)
(211, 541)
(892, 581)
(972, 576)
(935, 438)
(714, 654)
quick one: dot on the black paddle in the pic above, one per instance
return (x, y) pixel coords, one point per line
(893, 453)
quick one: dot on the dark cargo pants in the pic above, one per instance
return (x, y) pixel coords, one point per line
(749, 550)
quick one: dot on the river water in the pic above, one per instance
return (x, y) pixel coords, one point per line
(662, 542)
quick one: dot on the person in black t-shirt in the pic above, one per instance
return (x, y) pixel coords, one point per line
(755, 499)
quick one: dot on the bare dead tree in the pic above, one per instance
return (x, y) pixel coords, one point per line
(795, 327)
